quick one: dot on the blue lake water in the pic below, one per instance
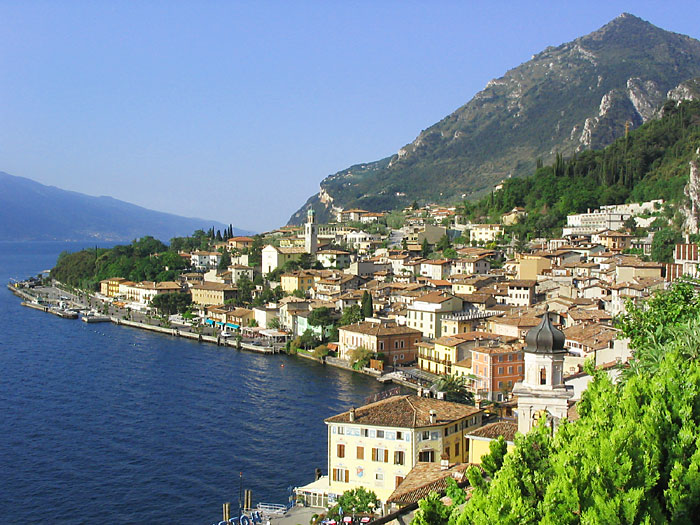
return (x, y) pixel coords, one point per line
(100, 423)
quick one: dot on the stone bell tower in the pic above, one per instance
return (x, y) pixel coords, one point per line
(542, 393)
(310, 233)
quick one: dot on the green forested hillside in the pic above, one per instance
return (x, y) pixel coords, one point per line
(650, 163)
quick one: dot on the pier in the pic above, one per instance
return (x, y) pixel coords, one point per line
(47, 302)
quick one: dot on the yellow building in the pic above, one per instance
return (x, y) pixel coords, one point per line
(480, 439)
(110, 287)
(530, 266)
(299, 280)
(212, 293)
(376, 446)
(446, 351)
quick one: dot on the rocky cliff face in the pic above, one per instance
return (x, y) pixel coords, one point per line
(691, 209)
(582, 94)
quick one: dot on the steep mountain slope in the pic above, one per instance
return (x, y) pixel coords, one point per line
(576, 96)
(30, 211)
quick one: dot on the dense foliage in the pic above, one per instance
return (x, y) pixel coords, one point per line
(650, 163)
(634, 454)
(145, 259)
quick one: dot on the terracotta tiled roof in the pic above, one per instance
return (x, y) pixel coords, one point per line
(507, 429)
(425, 478)
(406, 411)
(435, 297)
(379, 329)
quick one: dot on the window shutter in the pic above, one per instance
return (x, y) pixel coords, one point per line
(374, 454)
(347, 476)
(386, 456)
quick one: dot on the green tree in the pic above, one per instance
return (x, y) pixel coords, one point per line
(225, 261)
(355, 501)
(359, 357)
(431, 511)
(663, 244)
(351, 315)
(171, 303)
(493, 461)
(395, 219)
(443, 243)
(455, 389)
(322, 316)
(425, 249)
(308, 339)
(367, 307)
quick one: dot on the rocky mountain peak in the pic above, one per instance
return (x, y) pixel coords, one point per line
(581, 94)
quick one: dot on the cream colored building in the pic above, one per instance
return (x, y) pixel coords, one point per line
(212, 293)
(376, 446)
(426, 312)
(273, 257)
(485, 233)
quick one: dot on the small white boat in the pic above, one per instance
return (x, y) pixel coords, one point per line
(94, 317)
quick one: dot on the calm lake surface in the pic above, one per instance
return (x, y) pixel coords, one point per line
(108, 424)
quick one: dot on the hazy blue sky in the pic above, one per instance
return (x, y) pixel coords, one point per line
(235, 111)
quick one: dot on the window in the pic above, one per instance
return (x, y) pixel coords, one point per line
(520, 369)
(399, 457)
(500, 370)
(425, 435)
(510, 369)
(427, 455)
(381, 345)
(543, 376)
(379, 476)
(500, 385)
(399, 479)
(341, 430)
(380, 454)
(360, 452)
(341, 451)
(399, 435)
(447, 451)
(341, 474)
(402, 341)
(364, 432)
(456, 449)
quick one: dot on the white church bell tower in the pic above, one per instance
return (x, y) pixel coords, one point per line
(542, 393)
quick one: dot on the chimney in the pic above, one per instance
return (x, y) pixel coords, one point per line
(444, 461)
(433, 417)
(352, 414)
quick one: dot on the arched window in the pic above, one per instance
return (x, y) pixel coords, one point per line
(543, 376)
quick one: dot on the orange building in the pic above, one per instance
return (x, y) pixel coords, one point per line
(496, 370)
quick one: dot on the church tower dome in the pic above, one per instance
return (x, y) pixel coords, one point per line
(545, 338)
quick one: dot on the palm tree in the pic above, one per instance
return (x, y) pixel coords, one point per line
(455, 389)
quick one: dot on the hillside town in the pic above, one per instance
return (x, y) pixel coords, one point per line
(419, 296)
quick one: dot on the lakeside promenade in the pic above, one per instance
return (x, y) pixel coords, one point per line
(65, 303)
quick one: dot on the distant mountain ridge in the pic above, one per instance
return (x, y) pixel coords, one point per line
(30, 211)
(579, 95)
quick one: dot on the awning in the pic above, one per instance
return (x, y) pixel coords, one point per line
(209, 322)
